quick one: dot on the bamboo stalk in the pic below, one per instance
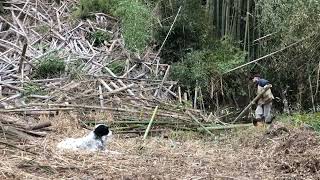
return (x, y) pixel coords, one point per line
(161, 84)
(266, 56)
(150, 123)
(179, 94)
(40, 125)
(185, 96)
(195, 98)
(266, 88)
(101, 96)
(311, 95)
(225, 127)
(24, 50)
(198, 122)
(175, 18)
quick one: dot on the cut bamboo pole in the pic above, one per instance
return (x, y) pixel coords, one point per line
(185, 96)
(161, 84)
(105, 85)
(198, 122)
(179, 93)
(252, 103)
(311, 95)
(195, 98)
(225, 127)
(40, 125)
(150, 123)
(101, 96)
(24, 50)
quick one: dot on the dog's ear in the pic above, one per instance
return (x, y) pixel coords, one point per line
(101, 130)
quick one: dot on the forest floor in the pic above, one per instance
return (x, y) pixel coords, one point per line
(242, 154)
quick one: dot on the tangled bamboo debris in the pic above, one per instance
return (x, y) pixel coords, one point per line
(34, 30)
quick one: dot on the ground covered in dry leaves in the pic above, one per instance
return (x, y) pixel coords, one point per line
(243, 154)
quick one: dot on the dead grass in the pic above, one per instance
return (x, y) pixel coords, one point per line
(249, 154)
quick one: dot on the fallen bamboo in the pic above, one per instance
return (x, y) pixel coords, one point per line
(196, 120)
(150, 123)
(24, 50)
(225, 127)
(252, 103)
(16, 147)
(40, 125)
(29, 110)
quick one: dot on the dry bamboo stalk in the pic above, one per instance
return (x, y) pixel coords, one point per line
(126, 73)
(24, 50)
(16, 147)
(114, 85)
(101, 96)
(225, 127)
(109, 93)
(73, 107)
(10, 98)
(195, 98)
(30, 110)
(198, 122)
(170, 92)
(105, 85)
(175, 18)
(185, 96)
(164, 78)
(12, 131)
(266, 56)
(179, 92)
(40, 125)
(121, 82)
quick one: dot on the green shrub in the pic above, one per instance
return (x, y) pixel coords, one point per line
(86, 7)
(136, 24)
(98, 37)
(191, 32)
(312, 120)
(32, 88)
(50, 66)
(75, 69)
(135, 16)
(117, 67)
(198, 67)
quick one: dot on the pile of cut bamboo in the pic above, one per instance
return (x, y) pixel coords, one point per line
(35, 29)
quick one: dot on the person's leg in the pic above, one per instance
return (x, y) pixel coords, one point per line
(267, 113)
(258, 114)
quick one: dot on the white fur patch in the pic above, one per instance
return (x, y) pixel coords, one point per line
(89, 143)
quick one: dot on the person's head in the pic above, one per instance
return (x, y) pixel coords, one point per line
(255, 78)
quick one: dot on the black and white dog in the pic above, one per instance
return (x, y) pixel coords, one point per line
(95, 140)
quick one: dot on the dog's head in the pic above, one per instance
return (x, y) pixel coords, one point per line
(101, 130)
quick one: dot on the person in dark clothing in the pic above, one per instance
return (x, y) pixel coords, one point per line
(264, 104)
